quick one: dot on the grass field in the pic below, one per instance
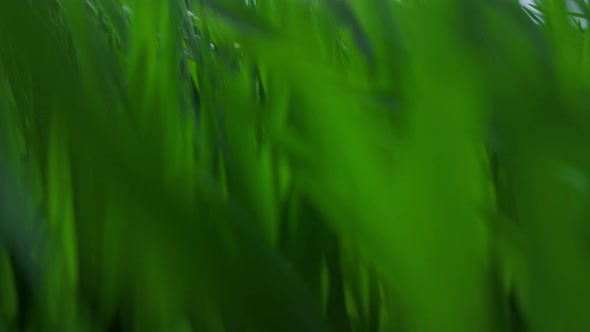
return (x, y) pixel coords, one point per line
(294, 165)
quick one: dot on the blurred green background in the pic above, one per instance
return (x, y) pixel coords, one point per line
(294, 165)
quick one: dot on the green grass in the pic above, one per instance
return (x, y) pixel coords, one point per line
(294, 165)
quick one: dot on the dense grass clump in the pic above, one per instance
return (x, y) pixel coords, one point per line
(294, 165)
